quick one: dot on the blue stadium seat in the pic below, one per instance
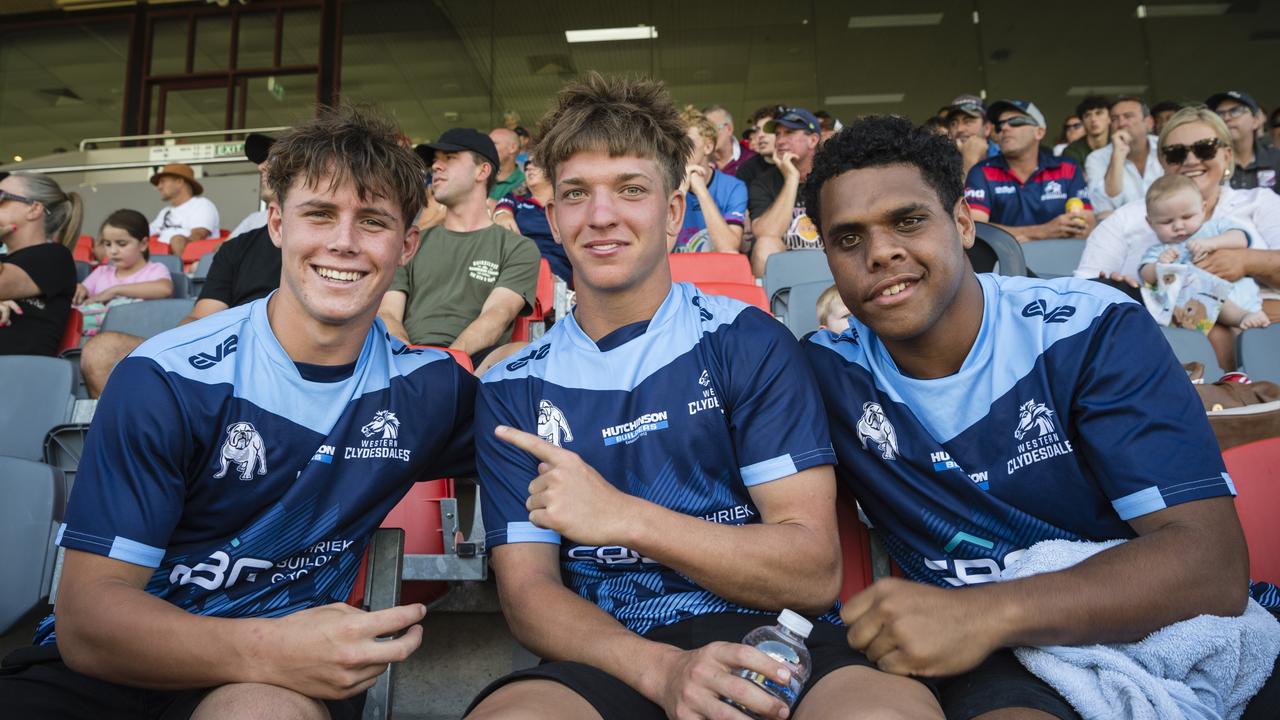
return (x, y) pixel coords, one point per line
(181, 285)
(201, 273)
(147, 318)
(82, 270)
(1193, 346)
(171, 262)
(1260, 353)
(802, 311)
(29, 519)
(786, 269)
(1053, 258)
(63, 447)
(39, 394)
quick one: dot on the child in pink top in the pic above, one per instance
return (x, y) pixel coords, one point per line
(126, 276)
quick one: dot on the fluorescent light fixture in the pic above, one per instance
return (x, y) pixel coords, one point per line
(865, 22)
(1082, 90)
(1186, 10)
(880, 99)
(639, 32)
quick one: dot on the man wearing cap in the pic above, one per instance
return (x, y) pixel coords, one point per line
(1025, 189)
(256, 148)
(470, 278)
(509, 175)
(188, 215)
(1121, 171)
(774, 199)
(1257, 163)
(967, 125)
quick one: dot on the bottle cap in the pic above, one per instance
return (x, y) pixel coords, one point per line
(795, 623)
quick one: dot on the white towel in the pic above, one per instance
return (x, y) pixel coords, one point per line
(1205, 668)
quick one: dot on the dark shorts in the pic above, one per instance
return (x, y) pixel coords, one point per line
(999, 683)
(615, 700)
(34, 683)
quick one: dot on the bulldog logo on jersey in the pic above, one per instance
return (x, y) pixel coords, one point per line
(1033, 416)
(385, 422)
(244, 448)
(874, 426)
(552, 425)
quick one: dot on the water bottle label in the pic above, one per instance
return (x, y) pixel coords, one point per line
(785, 693)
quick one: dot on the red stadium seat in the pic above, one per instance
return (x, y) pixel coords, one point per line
(855, 548)
(751, 293)
(698, 268)
(84, 250)
(1255, 469)
(156, 247)
(543, 300)
(71, 334)
(194, 249)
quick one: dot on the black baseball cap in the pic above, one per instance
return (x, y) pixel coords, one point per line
(1243, 98)
(458, 140)
(257, 146)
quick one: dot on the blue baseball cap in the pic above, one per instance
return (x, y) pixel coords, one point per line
(1025, 107)
(796, 118)
(1243, 98)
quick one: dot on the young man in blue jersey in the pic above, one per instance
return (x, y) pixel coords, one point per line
(656, 469)
(976, 415)
(237, 465)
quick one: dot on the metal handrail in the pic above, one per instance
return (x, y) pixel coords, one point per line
(166, 136)
(124, 165)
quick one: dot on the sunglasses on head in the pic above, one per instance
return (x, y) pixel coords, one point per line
(1016, 121)
(1203, 149)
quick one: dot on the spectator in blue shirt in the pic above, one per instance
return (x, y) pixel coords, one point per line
(527, 215)
(1025, 189)
(716, 202)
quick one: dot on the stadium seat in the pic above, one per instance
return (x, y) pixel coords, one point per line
(83, 250)
(83, 268)
(1255, 470)
(29, 519)
(156, 247)
(995, 250)
(785, 269)
(1193, 346)
(63, 447)
(1053, 258)
(181, 284)
(38, 396)
(1260, 353)
(171, 262)
(802, 307)
(711, 267)
(751, 294)
(543, 300)
(855, 548)
(148, 318)
(201, 271)
(73, 332)
(197, 249)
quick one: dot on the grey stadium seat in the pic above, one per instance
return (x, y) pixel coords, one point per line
(1053, 258)
(39, 395)
(147, 318)
(63, 447)
(29, 519)
(181, 285)
(784, 269)
(1193, 346)
(201, 273)
(1260, 353)
(995, 250)
(172, 262)
(802, 311)
(82, 270)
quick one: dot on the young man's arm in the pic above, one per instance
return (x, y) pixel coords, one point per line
(500, 309)
(15, 283)
(110, 628)
(391, 311)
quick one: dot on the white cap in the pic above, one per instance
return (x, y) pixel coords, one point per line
(795, 623)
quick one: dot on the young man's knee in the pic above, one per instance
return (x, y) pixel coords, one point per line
(254, 701)
(534, 699)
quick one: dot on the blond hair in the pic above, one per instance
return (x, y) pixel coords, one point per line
(63, 211)
(1194, 114)
(692, 117)
(827, 303)
(1167, 185)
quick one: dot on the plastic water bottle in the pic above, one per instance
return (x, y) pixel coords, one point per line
(783, 642)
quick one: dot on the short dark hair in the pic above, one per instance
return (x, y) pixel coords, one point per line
(132, 222)
(1166, 106)
(880, 140)
(1092, 102)
(768, 111)
(620, 116)
(350, 144)
(479, 160)
(1146, 111)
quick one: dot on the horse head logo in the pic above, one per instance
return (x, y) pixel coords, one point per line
(385, 422)
(552, 425)
(1033, 415)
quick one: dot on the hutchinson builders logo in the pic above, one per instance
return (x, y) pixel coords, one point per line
(629, 432)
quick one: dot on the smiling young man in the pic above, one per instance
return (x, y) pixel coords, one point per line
(656, 470)
(979, 415)
(238, 464)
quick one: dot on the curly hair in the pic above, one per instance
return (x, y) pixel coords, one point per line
(880, 140)
(619, 116)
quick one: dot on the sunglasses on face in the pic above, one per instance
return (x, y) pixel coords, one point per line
(1074, 126)
(6, 195)
(1018, 121)
(1203, 149)
(1233, 112)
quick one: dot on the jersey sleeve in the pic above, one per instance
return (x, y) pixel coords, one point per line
(456, 458)
(776, 416)
(1139, 423)
(977, 190)
(734, 209)
(130, 487)
(505, 472)
(508, 203)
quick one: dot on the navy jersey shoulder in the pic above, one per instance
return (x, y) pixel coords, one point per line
(1068, 418)
(250, 489)
(710, 400)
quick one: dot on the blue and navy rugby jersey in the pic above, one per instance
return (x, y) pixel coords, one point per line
(992, 188)
(1068, 418)
(251, 484)
(689, 411)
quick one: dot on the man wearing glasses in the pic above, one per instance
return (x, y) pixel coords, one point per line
(1025, 189)
(1257, 164)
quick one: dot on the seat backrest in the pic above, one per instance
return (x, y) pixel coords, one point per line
(196, 249)
(1053, 258)
(1007, 251)
(39, 395)
(63, 448)
(1193, 346)
(172, 263)
(544, 293)
(1255, 470)
(751, 294)
(83, 268)
(1260, 353)
(148, 318)
(202, 266)
(29, 518)
(84, 249)
(855, 547)
(72, 333)
(802, 307)
(711, 267)
(784, 269)
(181, 284)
